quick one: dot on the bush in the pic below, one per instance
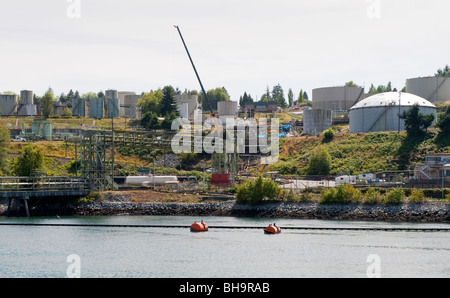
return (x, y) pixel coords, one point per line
(372, 197)
(343, 194)
(394, 197)
(416, 196)
(328, 135)
(255, 192)
(319, 163)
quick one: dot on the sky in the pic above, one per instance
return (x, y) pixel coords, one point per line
(242, 45)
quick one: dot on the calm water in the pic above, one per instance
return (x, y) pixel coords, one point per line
(40, 251)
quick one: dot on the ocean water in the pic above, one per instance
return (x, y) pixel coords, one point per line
(151, 252)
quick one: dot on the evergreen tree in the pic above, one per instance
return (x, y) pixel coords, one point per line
(290, 97)
(301, 97)
(168, 103)
(47, 103)
(416, 122)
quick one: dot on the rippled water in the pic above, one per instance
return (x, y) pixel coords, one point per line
(42, 251)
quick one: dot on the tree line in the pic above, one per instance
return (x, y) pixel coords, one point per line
(277, 95)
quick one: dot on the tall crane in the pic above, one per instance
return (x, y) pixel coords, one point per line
(211, 111)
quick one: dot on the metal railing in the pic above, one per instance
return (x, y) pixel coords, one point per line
(43, 183)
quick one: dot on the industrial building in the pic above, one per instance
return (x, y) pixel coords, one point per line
(380, 112)
(130, 106)
(316, 121)
(336, 98)
(434, 89)
(227, 109)
(8, 104)
(188, 105)
(436, 168)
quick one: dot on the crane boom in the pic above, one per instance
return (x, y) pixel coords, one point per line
(196, 73)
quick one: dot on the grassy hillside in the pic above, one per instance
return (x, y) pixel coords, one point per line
(360, 153)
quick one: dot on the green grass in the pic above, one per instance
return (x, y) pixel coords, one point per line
(360, 153)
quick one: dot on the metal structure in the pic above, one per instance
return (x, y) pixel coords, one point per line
(380, 112)
(434, 89)
(96, 150)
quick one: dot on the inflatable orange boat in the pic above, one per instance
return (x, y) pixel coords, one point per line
(272, 229)
(199, 227)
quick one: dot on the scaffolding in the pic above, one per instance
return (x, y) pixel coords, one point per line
(96, 151)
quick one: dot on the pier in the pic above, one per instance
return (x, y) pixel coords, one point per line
(21, 189)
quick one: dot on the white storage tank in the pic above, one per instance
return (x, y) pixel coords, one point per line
(150, 180)
(380, 112)
(434, 89)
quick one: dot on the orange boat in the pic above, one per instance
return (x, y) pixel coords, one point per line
(272, 229)
(199, 227)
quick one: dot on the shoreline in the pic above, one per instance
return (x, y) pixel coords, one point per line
(431, 212)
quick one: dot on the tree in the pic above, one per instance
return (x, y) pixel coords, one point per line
(150, 102)
(150, 120)
(67, 112)
(168, 103)
(214, 96)
(4, 149)
(445, 72)
(319, 163)
(301, 97)
(350, 84)
(168, 119)
(47, 103)
(266, 97)
(444, 121)
(416, 122)
(245, 99)
(290, 97)
(29, 161)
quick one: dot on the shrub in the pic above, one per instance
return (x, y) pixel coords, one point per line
(328, 135)
(319, 163)
(343, 194)
(416, 196)
(255, 192)
(394, 197)
(372, 197)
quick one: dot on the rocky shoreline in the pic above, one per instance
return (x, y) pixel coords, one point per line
(430, 212)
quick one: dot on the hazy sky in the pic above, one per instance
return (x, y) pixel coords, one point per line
(243, 45)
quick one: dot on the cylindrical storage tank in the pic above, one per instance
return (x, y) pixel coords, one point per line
(316, 121)
(184, 110)
(26, 97)
(111, 94)
(47, 129)
(96, 107)
(434, 89)
(336, 98)
(113, 107)
(136, 180)
(79, 107)
(380, 112)
(8, 104)
(36, 128)
(227, 108)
